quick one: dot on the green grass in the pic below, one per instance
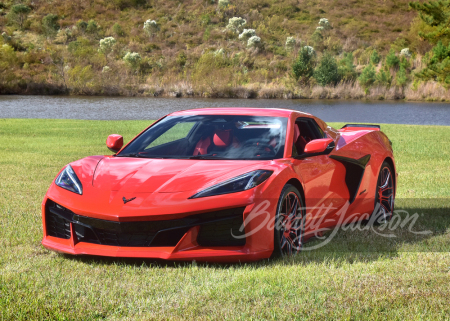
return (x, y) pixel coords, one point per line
(358, 276)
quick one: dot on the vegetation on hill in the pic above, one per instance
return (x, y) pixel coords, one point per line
(226, 48)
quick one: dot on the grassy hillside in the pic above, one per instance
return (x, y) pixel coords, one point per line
(53, 47)
(359, 275)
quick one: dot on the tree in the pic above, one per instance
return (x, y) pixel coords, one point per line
(236, 23)
(392, 61)
(438, 67)
(18, 14)
(151, 27)
(347, 68)
(435, 14)
(92, 27)
(50, 24)
(375, 58)
(367, 77)
(132, 59)
(106, 45)
(383, 78)
(326, 71)
(118, 30)
(290, 43)
(303, 67)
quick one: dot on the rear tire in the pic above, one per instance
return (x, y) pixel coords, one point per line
(384, 196)
(289, 223)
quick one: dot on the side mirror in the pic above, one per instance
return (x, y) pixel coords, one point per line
(114, 142)
(319, 146)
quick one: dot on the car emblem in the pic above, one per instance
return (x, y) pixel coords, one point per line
(127, 200)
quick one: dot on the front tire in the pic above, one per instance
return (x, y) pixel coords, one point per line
(289, 223)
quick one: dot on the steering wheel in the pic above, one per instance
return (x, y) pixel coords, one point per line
(259, 145)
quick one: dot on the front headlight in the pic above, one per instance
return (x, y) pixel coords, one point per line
(69, 181)
(236, 184)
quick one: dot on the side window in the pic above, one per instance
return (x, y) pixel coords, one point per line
(176, 132)
(319, 130)
(306, 131)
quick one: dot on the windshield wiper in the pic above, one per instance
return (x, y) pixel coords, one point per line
(207, 157)
(138, 155)
(129, 155)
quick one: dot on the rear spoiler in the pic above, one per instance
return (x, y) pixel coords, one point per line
(353, 127)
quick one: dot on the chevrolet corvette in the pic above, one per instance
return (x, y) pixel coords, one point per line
(220, 184)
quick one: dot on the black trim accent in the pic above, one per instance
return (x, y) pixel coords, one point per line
(354, 173)
(360, 125)
(152, 233)
(328, 150)
(361, 162)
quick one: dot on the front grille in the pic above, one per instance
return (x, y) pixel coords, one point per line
(215, 229)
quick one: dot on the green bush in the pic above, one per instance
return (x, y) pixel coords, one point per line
(50, 24)
(367, 77)
(92, 27)
(347, 70)
(402, 77)
(327, 72)
(118, 31)
(392, 61)
(18, 14)
(383, 78)
(438, 66)
(181, 59)
(375, 58)
(303, 67)
(81, 25)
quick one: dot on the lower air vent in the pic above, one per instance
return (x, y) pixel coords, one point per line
(56, 225)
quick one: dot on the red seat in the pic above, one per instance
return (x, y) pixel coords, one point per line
(299, 141)
(202, 146)
(222, 138)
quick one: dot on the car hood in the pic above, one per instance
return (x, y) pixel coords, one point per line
(163, 175)
(155, 187)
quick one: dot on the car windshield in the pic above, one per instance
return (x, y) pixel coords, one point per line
(211, 137)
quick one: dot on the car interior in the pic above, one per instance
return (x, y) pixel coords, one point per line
(226, 139)
(305, 130)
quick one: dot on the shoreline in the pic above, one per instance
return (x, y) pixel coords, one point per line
(423, 92)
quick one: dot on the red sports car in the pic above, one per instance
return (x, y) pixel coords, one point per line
(220, 184)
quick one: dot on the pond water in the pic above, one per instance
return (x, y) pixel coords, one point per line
(121, 108)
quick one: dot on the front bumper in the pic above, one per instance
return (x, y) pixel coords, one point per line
(203, 237)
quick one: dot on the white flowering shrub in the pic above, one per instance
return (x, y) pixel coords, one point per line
(219, 52)
(5, 36)
(254, 41)
(290, 43)
(106, 69)
(236, 23)
(320, 28)
(323, 22)
(247, 33)
(223, 4)
(106, 45)
(310, 50)
(151, 27)
(405, 52)
(132, 59)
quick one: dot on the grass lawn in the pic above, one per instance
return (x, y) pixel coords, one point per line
(359, 275)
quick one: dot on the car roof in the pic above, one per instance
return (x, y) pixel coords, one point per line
(274, 112)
